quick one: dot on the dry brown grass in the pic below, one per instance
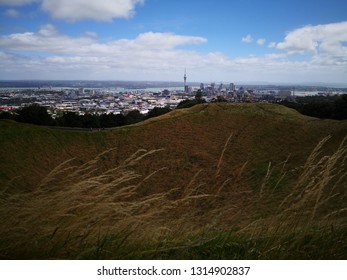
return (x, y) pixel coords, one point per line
(86, 201)
(318, 199)
(220, 161)
(322, 179)
(79, 204)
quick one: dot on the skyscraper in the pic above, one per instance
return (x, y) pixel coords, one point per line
(232, 87)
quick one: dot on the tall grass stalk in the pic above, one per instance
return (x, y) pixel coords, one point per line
(94, 210)
(220, 160)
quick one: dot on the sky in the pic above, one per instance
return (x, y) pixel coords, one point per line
(258, 41)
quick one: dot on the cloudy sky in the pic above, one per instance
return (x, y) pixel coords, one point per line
(283, 41)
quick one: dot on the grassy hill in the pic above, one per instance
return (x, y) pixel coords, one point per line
(211, 181)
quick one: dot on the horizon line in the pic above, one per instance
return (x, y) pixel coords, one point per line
(254, 83)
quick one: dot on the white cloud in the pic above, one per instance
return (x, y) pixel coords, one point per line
(49, 40)
(261, 41)
(84, 56)
(272, 45)
(12, 13)
(91, 34)
(152, 40)
(76, 10)
(327, 38)
(247, 39)
(100, 10)
(148, 56)
(153, 56)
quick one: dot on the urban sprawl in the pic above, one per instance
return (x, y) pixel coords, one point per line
(123, 100)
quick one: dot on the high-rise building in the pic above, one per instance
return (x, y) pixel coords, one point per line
(232, 87)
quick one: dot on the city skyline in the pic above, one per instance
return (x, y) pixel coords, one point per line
(222, 40)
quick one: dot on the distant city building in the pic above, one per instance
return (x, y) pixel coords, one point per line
(85, 100)
(232, 87)
(284, 94)
(166, 92)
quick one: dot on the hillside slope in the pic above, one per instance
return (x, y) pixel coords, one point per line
(212, 181)
(192, 139)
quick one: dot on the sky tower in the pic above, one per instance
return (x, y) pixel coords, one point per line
(185, 81)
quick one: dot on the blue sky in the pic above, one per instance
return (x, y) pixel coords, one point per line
(274, 41)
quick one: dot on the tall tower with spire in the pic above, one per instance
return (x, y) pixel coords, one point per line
(185, 81)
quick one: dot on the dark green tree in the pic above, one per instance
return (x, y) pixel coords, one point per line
(198, 96)
(322, 110)
(90, 121)
(7, 115)
(70, 119)
(34, 114)
(157, 111)
(133, 117)
(187, 103)
(340, 108)
(108, 120)
(324, 107)
(219, 99)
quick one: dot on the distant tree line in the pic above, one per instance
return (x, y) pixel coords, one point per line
(36, 114)
(331, 107)
(334, 107)
(187, 103)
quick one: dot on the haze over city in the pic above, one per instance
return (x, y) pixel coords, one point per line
(221, 40)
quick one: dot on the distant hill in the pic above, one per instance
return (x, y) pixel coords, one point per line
(235, 152)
